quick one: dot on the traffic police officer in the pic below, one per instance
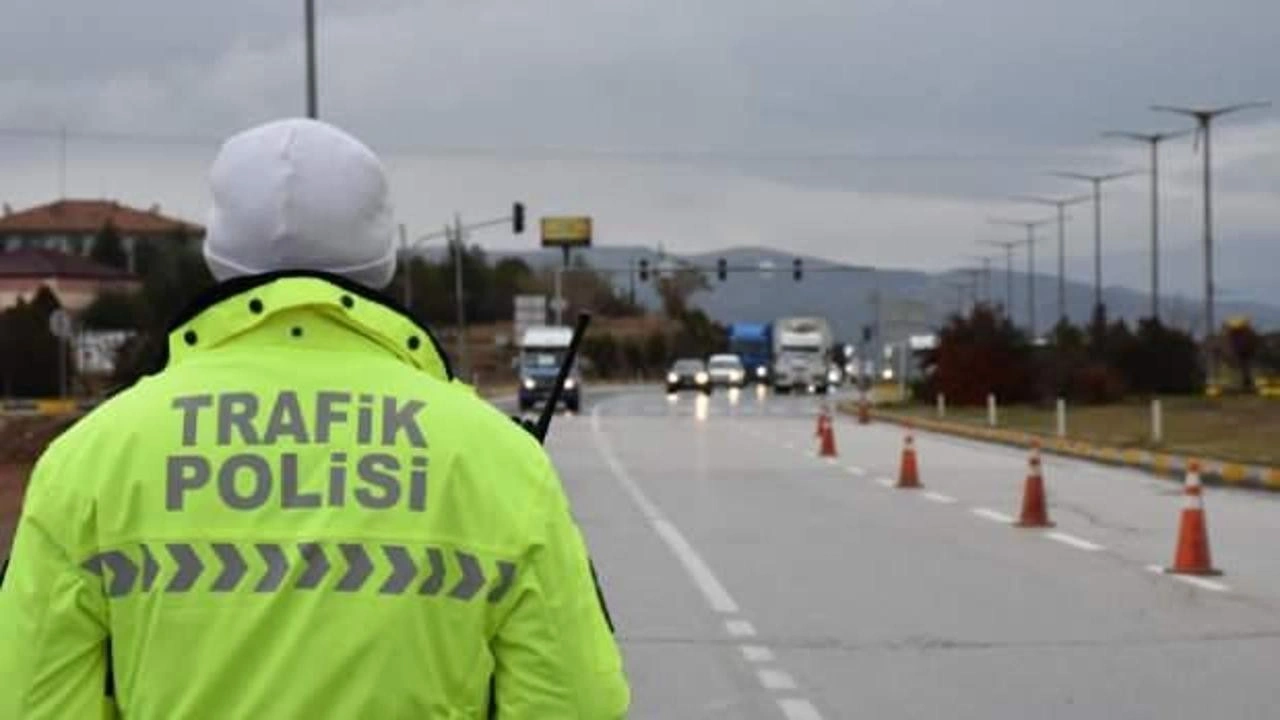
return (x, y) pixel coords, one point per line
(303, 515)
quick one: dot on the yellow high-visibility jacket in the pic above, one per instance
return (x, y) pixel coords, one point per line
(301, 516)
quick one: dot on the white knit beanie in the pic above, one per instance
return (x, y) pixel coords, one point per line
(300, 194)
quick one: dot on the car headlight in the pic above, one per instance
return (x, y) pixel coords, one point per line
(833, 376)
(569, 383)
(735, 375)
(673, 378)
(761, 371)
(529, 384)
(701, 378)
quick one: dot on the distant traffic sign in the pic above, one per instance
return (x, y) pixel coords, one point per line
(566, 231)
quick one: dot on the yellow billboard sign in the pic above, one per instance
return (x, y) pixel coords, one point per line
(566, 231)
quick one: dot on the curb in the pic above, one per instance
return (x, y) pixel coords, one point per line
(1164, 465)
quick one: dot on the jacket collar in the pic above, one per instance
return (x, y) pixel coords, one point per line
(240, 304)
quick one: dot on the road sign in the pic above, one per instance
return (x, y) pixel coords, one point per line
(566, 231)
(60, 324)
(530, 310)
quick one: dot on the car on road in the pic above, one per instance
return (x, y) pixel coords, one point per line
(688, 374)
(726, 370)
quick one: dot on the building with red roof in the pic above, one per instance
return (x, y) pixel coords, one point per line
(49, 245)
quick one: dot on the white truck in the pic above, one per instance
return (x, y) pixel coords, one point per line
(801, 348)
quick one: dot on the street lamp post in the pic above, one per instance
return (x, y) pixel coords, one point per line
(1061, 204)
(310, 11)
(1204, 120)
(1153, 140)
(1008, 246)
(1097, 181)
(1031, 226)
(986, 276)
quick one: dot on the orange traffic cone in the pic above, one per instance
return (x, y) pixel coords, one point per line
(908, 473)
(864, 412)
(826, 438)
(1192, 556)
(1035, 511)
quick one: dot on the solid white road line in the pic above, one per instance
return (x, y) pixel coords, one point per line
(993, 515)
(798, 709)
(739, 628)
(937, 497)
(714, 592)
(1199, 582)
(855, 470)
(775, 680)
(884, 481)
(756, 653)
(1075, 542)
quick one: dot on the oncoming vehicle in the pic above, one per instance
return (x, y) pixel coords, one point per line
(801, 348)
(726, 370)
(542, 350)
(752, 342)
(688, 374)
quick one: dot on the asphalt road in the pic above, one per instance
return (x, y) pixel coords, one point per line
(750, 579)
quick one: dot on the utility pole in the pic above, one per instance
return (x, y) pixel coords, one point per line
(1061, 204)
(458, 254)
(62, 162)
(1031, 226)
(310, 11)
(406, 269)
(984, 283)
(455, 239)
(1008, 246)
(1153, 140)
(1204, 120)
(1097, 181)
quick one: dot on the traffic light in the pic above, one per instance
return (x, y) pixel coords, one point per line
(797, 269)
(722, 269)
(644, 270)
(517, 218)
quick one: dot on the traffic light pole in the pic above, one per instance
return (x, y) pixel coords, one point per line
(454, 237)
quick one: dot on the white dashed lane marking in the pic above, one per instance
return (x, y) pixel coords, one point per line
(938, 497)
(884, 482)
(1199, 582)
(756, 653)
(739, 628)
(798, 709)
(855, 470)
(993, 515)
(1075, 542)
(776, 680)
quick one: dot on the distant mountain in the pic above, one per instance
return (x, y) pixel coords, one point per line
(912, 301)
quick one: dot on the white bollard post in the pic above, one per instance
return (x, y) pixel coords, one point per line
(1157, 421)
(992, 418)
(1062, 417)
(942, 406)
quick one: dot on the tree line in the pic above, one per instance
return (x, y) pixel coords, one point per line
(983, 352)
(173, 274)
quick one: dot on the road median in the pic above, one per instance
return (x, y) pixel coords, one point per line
(1168, 465)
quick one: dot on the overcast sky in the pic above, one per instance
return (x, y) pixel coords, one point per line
(882, 131)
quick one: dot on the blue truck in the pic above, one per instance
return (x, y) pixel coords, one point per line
(753, 343)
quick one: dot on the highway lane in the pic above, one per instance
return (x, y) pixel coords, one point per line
(750, 579)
